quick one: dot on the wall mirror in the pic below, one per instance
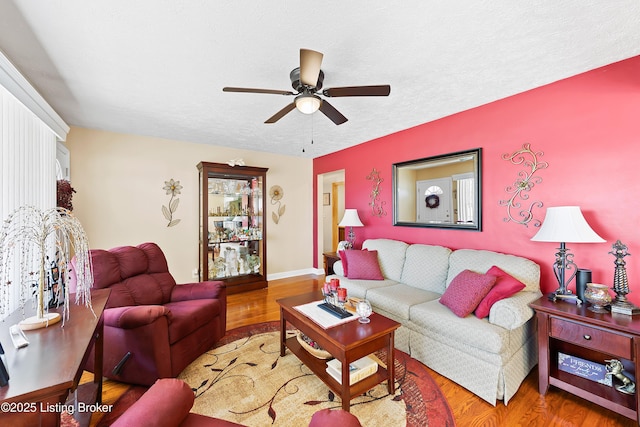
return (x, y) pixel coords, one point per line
(439, 192)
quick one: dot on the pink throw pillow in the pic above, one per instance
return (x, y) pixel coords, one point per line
(345, 266)
(465, 292)
(363, 265)
(506, 285)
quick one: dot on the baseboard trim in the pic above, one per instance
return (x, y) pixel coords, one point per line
(294, 273)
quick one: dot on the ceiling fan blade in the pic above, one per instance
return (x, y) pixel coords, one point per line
(280, 114)
(250, 90)
(379, 90)
(310, 62)
(333, 114)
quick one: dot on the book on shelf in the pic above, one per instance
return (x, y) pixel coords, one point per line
(584, 368)
(358, 370)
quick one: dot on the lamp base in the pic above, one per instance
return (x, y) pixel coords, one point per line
(566, 297)
(35, 322)
(624, 308)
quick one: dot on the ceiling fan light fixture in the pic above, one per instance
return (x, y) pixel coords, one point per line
(308, 103)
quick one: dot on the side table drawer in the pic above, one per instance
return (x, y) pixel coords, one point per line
(593, 338)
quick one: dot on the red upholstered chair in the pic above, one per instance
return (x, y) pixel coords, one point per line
(335, 417)
(167, 403)
(153, 328)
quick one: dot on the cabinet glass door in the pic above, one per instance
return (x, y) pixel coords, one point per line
(232, 226)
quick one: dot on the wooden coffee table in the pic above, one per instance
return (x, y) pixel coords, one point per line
(347, 342)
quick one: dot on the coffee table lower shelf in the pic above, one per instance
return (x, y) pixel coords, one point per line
(319, 368)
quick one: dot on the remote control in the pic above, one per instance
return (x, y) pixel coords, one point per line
(18, 337)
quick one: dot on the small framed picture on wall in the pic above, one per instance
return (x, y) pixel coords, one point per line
(326, 199)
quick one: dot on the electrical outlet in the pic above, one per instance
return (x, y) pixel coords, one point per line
(195, 273)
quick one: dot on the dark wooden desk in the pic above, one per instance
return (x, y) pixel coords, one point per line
(44, 373)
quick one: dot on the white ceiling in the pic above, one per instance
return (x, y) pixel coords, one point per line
(157, 67)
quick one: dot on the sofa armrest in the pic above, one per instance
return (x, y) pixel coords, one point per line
(513, 312)
(338, 268)
(166, 403)
(131, 317)
(200, 290)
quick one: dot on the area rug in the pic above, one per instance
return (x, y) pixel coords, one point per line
(245, 380)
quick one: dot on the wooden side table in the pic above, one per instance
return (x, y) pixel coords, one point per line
(48, 370)
(576, 331)
(330, 258)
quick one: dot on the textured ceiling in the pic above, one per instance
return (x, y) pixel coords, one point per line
(157, 67)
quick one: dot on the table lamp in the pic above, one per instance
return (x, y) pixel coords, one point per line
(351, 219)
(565, 224)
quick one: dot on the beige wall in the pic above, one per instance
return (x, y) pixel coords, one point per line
(119, 182)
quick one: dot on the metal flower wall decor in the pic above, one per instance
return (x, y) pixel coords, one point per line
(524, 182)
(276, 193)
(377, 206)
(171, 187)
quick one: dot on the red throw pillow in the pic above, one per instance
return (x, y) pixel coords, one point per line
(363, 265)
(465, 292)
(506, 285)
(345, 266)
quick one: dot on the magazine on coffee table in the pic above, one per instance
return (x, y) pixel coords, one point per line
(322, 317)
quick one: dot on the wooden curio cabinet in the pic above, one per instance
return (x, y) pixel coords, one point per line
(232, 226)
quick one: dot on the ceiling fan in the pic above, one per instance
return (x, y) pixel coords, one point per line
(307, 81)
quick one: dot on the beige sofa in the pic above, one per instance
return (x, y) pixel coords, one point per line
(490, 356)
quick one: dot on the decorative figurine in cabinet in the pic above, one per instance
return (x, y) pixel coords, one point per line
(232, 226)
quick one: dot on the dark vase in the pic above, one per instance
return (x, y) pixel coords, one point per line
(583, 276)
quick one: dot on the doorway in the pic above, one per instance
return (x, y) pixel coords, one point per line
(331, 191)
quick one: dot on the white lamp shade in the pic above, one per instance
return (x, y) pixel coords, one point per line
(566, 224)
(351, 219)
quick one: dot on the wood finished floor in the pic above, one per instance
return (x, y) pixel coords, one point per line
(526, 408)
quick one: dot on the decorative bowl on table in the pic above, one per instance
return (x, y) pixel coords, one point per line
(599, 297)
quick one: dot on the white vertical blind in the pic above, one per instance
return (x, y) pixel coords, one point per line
(28, 168)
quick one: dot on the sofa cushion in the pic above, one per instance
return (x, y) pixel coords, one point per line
(525, 270)
(398, 299)
(506, 286)
(132, 260)
(434, 319)
(391, 255)
(362, 265)
(106, 269)
(187, 316)
(466, 291)
(425, 267)
(360, 288)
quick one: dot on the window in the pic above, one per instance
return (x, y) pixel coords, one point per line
(29, 131)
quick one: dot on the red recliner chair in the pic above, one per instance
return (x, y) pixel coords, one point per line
(153, 328)
(168, 402)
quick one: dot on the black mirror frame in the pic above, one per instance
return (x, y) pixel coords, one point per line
(476, 226)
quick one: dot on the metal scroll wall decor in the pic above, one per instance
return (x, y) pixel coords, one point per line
(171, 187)
(523, 184)
(377, 205)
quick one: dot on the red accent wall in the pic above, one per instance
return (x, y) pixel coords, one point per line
(588, 129)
